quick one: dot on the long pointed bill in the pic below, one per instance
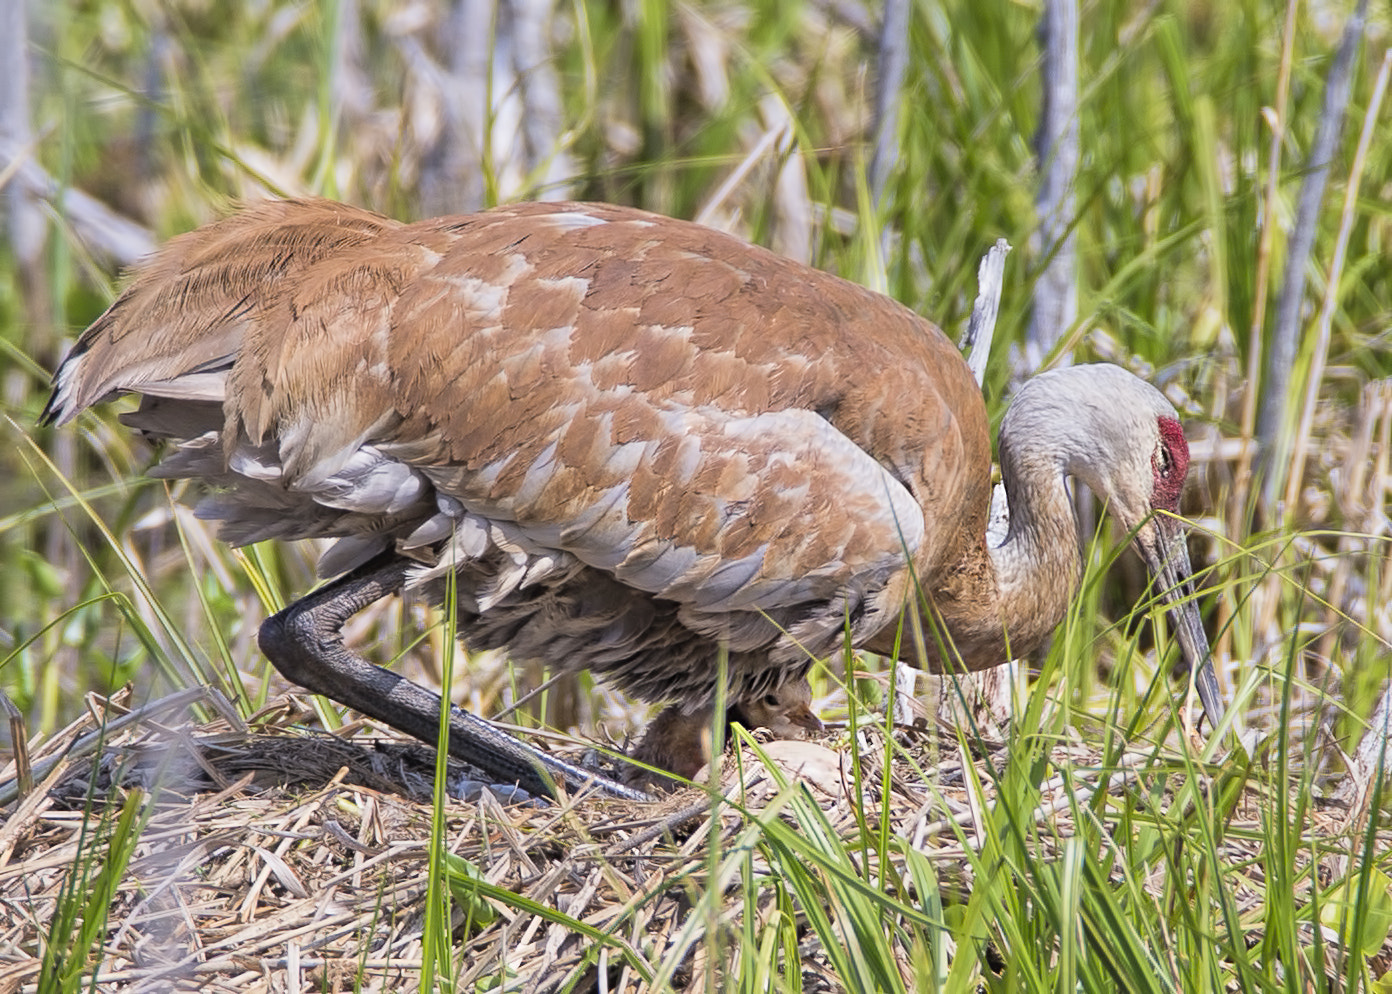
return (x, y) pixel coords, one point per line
(1167, 555)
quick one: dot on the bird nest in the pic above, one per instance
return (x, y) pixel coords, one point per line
(277, 859)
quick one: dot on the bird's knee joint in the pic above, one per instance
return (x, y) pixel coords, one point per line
(284, 639)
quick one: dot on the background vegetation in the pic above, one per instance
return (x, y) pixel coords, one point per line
(1196, 119)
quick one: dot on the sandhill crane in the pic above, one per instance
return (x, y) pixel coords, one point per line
(678, 740)
(643, 447)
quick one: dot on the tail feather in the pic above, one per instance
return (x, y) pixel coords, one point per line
(186, 311)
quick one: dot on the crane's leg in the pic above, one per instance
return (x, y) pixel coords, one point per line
(305, 642)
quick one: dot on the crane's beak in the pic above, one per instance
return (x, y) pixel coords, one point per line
(1162, 544)
(803, 717)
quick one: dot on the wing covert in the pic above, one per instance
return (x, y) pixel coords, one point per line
(757, 525)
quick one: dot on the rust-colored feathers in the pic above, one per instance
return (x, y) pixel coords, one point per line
(191, 305)
(635, 439)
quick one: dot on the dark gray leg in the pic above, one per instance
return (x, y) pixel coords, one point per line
(305, 642)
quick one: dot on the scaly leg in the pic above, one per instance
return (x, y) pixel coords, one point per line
(305, 642)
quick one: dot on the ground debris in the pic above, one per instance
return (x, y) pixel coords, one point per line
(279, 859)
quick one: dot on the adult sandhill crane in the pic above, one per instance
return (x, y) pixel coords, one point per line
(643, 447)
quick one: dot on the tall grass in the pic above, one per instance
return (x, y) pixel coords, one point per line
(754, 115)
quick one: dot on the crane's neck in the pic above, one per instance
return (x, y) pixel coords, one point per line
(1006, 595)
(1038, 566)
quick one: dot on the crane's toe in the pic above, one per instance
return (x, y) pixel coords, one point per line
(463, 788)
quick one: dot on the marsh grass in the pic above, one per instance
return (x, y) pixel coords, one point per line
(1138, 862)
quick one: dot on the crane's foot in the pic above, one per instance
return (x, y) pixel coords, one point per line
(305, 643)
(462, 788)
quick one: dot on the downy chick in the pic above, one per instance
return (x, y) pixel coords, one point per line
(681, 742)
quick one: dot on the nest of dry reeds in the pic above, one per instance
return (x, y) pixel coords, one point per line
(284, 860)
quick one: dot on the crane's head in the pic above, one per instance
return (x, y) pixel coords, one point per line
(1121, 437)
(1160, 537)
(786, 710)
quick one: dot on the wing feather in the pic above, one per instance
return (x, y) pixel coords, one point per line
(794, 515)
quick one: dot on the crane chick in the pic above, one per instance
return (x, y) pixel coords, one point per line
(679, 741)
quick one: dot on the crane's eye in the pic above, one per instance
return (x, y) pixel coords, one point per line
(771, 700)
(1164, 461)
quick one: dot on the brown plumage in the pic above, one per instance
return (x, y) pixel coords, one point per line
(638, 443)
(680, 741)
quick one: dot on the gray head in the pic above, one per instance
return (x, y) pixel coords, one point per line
(1121, 437)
